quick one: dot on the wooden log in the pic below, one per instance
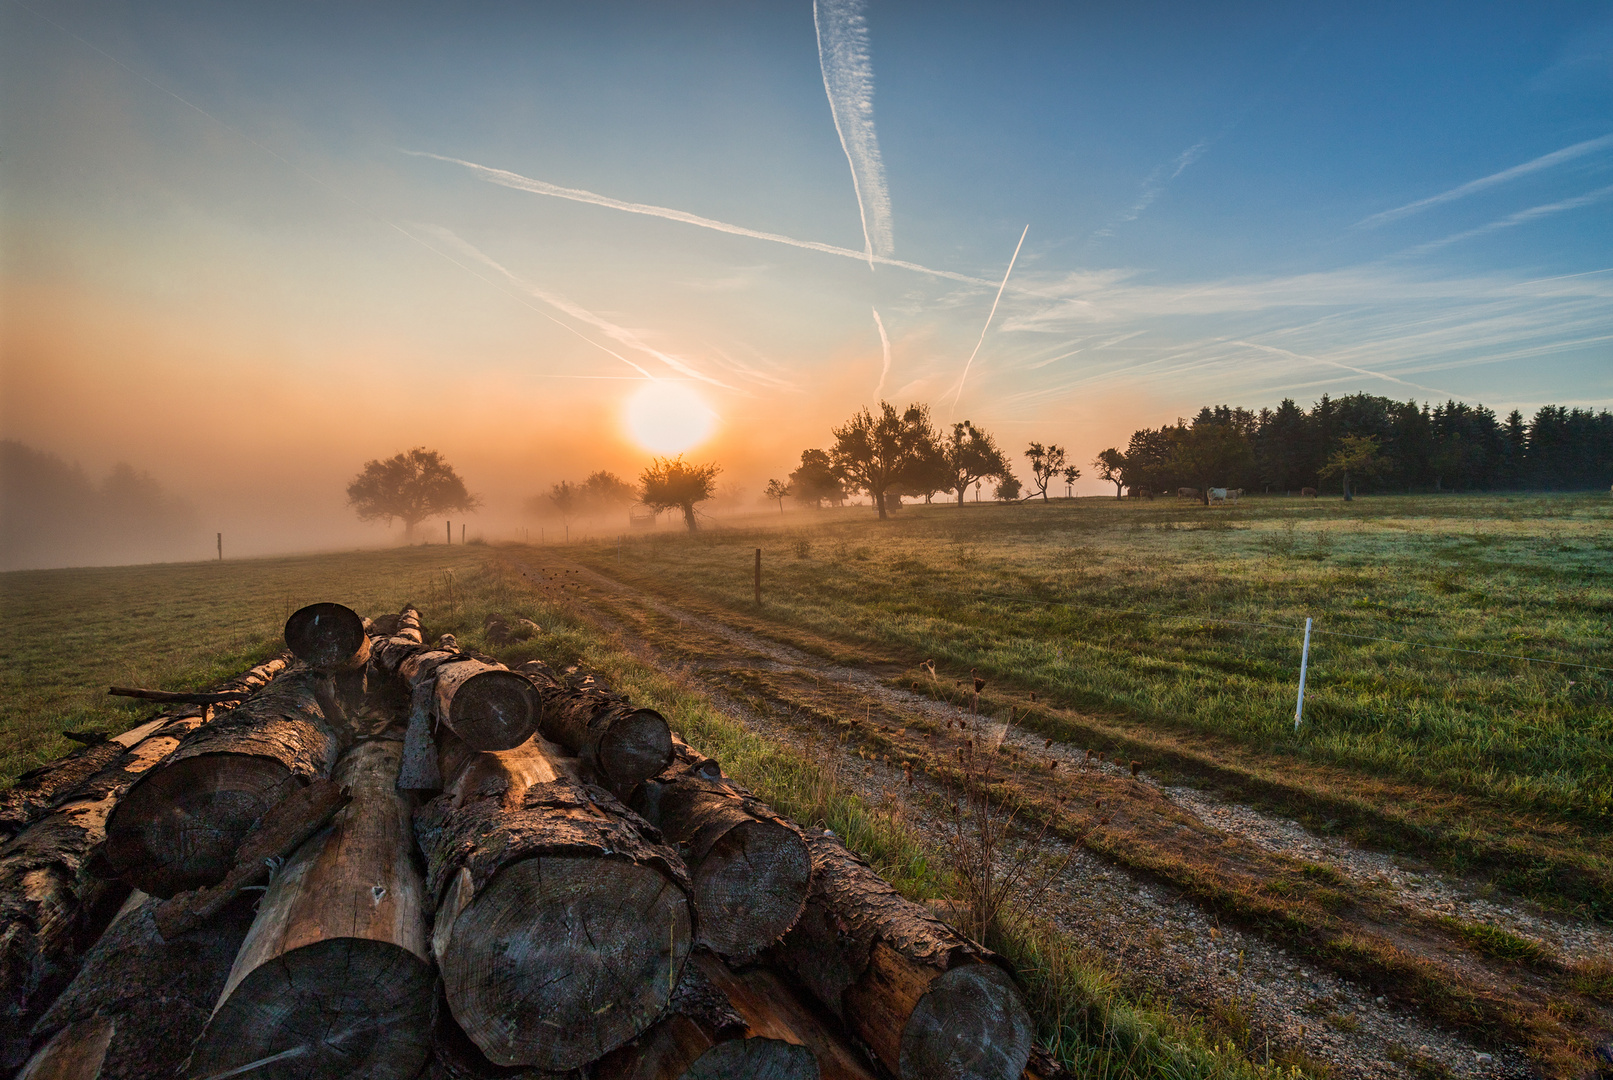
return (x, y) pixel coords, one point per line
(180, 824)
(563, 920)
(703, 1035)
(328, 637)
(750, 866)
(334, 978)
(924, 999)
(34, 792)
(622, 745)
(140, 999)
(175, 697)
(480, 700)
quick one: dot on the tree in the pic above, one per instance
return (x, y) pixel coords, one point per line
(777, 490)
(878, 454)
(606, 491)
(411, 487)
(817, 480)
(1356, 454)
(1208, 453)
(1045, 461)
(672, 484)
(1111, 466)
(972, 455)
(1071, 474)
(1008, 489)
(567, 499)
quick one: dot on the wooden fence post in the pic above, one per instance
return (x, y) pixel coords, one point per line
(220, 547)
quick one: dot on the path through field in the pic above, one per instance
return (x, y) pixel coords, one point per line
(1284, 939)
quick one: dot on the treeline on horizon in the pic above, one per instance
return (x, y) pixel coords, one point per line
(1448, 447)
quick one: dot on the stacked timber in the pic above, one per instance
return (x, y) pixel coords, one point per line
(562, 919)
(179, 825)
(750, 866)
(51, 907)
(139, 1000)
(621, 745)
(334, 978)
(928, 1002)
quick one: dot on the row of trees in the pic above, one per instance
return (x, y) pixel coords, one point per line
(895, 454)
(1392, 445)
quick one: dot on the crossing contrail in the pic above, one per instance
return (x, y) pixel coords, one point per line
(993, 312)
(848, 79)
(885, 344)
(509, 179)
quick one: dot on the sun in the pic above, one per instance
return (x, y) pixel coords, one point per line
(668, 417)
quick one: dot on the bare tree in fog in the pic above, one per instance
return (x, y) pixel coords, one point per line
(411, 487)
(777, 489)
(53, 514)
(672, 484)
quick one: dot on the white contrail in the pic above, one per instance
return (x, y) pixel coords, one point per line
(1154, 185)
(539, 187)
(618, 333)
(983, 329)
(1519, 218)
(1335, 363)
(848, 79)
(1545, 161)
(885, 344)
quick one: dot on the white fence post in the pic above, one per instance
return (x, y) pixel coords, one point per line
(1304, 659)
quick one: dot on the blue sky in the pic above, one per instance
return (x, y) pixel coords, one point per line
(1224, 203)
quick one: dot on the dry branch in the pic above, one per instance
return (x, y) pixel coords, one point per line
(750, 866)
(334, 978)
(562, 919)
(927, 1001)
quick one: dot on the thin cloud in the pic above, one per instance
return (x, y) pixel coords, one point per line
(848, 79)
(1154, 185)
(1334, 363)
(619, 334)
(1472, 187)
(1522, 217)
(983, 329)
(885, 345)
(509, 179)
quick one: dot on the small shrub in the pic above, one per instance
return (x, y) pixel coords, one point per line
(802, 548)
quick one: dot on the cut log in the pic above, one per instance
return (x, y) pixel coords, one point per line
(328, 637)
(179, 826)
(622, 745)
(927, 1001)
(749, 865)
(34, 792)
(483, 702)
(334, 979)
(563, 920)
(703, 1035)
(140, 1000)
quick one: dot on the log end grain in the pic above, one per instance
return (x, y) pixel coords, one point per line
(301, 1016)
(971, 1024)
(494, 710)
(180, 827)
(751, 887)
(561, 959)
(637, 747)
(328, 637)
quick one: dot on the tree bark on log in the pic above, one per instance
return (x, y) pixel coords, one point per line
(703, 1034)
(334, 979)
(563, 920)
(750, 866)
(140, 1000)
(484, 703)
(179, 826)
(621, 745)
(927, 1001)
(34, 792)
(51, 910)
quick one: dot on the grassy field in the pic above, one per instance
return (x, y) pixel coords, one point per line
(1175, 623)
(182, 626)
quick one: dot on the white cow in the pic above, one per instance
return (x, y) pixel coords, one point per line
(1221, 495)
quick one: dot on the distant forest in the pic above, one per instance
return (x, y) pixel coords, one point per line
(1449, 447)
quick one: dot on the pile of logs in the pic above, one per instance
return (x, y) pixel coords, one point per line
(377, 856)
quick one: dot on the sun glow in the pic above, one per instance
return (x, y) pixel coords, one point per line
(668, 417)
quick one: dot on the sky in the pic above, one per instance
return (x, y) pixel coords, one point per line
(249, 247)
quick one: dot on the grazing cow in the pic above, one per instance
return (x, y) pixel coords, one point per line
(1234, 494)
(1311, 492)
(1187, 493)
(1218, 495)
